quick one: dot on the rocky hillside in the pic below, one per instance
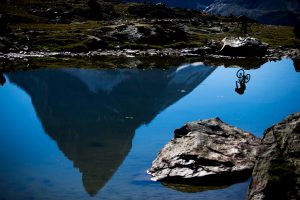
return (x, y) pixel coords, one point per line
(191, 4)
(282, 12)
(107, 27)
(269, 11)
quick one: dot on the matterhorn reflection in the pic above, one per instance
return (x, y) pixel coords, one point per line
(93, 114)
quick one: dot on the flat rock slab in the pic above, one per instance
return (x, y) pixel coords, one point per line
(277, 171)
(206, 152)
(247, 46)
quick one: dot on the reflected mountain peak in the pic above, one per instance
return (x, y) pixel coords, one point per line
(93, 114)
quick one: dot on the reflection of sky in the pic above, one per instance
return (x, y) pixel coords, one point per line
(36, 167)
(272, 93)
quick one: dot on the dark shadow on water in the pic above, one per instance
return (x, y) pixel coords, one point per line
(93, 114)
(209, 182)
(297, 64)
(191, 188)
(2, 79)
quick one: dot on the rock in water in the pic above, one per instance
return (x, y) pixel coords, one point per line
(243, 47)
(277, 171)
(206, 152)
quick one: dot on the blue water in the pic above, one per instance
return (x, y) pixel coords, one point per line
(92, 134)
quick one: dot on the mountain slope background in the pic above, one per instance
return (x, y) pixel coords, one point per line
(284, 12)
(269, 11)
(191, 4)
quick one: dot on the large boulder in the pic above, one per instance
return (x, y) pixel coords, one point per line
(277, 171)
(157, 35)
(206, 152)
(248, 46)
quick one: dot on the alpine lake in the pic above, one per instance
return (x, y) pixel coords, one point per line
(75, 133)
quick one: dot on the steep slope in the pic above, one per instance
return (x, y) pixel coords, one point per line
(269, 11)
(191, 4)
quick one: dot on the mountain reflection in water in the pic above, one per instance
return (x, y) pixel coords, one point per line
(93, 114)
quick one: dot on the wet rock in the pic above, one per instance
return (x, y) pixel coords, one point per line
(206, 152)
(277, 171)
(243, 47)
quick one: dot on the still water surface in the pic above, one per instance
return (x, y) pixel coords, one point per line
(92, 134)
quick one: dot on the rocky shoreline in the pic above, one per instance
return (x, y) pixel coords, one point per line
(205, 52)
(213, 153)
(91, 29)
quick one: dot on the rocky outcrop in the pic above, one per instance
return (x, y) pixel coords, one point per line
(277, 171)
(163, 33)
(206, 152)
(243, 47)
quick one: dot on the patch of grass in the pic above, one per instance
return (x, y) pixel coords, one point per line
(275, 36)
(75, 26)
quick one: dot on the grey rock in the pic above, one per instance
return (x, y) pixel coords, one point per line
(243, 47)
(127, 32)
(277, 171)
(206, 152)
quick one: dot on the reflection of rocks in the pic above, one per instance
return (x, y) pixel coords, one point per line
(2, 79)
(192, 188)
(243, 47)
(93, 114)
(206, 152)
(297, 64)
(277, 171)
(245, 63)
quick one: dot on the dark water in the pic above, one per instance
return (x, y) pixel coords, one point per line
(92, 134)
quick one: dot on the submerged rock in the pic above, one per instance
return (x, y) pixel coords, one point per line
(206, 152)
(277, 171)
(243, 47)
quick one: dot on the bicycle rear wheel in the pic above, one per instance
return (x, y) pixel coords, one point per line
(240, 73)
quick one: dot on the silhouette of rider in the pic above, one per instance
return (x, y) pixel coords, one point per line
(244, 25)
(2, 79)
(242, 83)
